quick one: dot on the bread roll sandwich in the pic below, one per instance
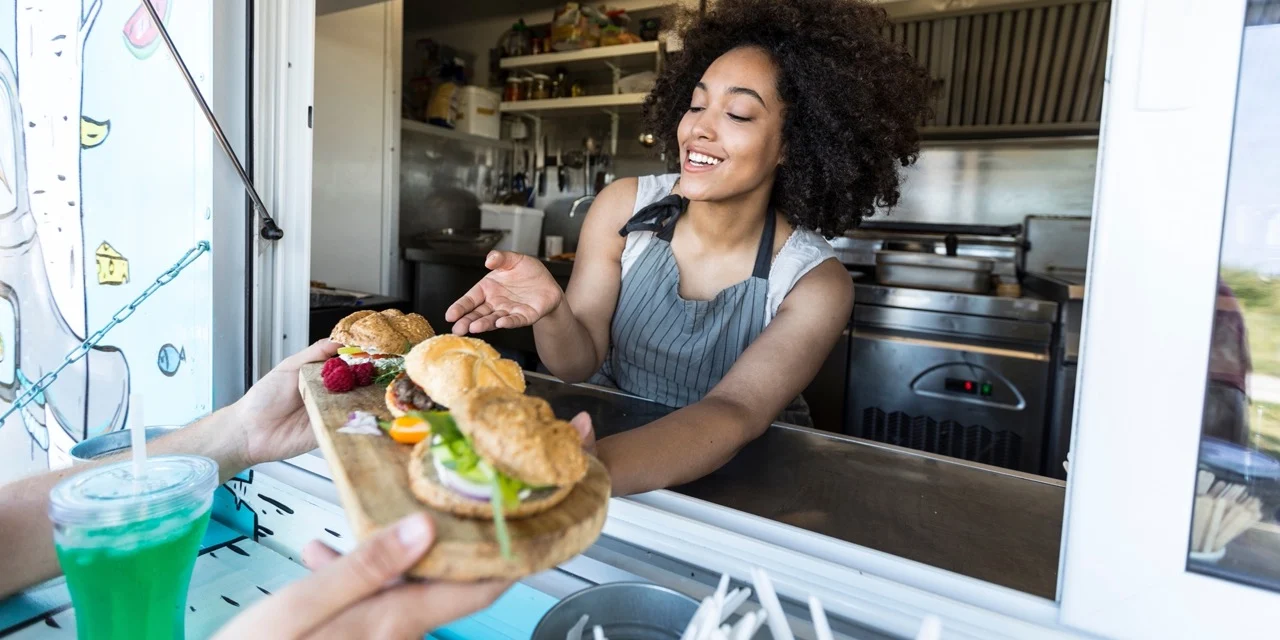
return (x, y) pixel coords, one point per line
(380, 337)
(440, 370)
(498, 454)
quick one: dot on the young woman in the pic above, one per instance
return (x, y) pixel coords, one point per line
(712, 290)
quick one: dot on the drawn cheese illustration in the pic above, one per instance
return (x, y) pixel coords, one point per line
(113, 268)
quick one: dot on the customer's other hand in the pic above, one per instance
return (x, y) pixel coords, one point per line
(361, 595)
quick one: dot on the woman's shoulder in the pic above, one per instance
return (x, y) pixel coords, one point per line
(808, 256)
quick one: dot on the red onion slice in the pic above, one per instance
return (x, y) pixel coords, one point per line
(460, 485)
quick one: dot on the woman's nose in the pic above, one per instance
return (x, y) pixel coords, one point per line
(702, 128)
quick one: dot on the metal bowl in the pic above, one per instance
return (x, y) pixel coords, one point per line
(114, 442)
(625, 610)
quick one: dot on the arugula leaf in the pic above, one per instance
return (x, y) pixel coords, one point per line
(500, 526)
(442, 425)
(383, 379)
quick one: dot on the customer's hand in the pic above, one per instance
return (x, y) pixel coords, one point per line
(517, 292)
(273, 423)
(361, 596)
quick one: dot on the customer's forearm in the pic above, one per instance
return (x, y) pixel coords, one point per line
(565, 346)
(26, 534)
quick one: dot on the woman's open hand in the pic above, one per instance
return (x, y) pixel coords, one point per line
(517, 292)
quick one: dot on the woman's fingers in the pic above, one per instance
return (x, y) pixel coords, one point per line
(582, 424)
(501, 260)
(411, 610)
(468, 303)
(487, 323)
(341, 583)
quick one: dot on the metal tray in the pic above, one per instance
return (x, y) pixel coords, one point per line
(962, 274)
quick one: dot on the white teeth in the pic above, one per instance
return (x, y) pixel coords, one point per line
(703, 159)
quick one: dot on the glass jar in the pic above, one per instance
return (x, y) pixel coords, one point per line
(526, 88)
(560, 85)
(541, 89)
(578, 89)
(512, 91)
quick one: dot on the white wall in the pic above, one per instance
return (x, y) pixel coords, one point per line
(352, 154)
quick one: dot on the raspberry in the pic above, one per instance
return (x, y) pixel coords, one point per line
(363, 373)
(331, 364)
(338, 379)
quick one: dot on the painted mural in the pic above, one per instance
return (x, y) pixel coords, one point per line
(105, 180)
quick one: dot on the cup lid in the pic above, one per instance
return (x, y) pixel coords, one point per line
(111, 495)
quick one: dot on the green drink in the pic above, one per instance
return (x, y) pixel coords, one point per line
(127, 545)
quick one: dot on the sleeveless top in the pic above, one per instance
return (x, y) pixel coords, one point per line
(671, 350)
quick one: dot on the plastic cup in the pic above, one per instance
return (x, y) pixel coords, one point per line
(128, 544)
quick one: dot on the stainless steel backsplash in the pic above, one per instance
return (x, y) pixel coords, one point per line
(998, 182)
(439, 176)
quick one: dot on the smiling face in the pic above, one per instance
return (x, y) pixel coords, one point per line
(731, 136)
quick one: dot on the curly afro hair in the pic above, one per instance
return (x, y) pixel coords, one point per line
(853, 101)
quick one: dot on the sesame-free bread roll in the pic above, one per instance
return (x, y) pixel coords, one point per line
(448, 366)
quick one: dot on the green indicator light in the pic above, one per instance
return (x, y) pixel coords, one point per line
(986, 389)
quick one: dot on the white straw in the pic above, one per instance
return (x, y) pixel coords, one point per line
(138, 432)
(821, 627)
(769, 599)
(930, 629)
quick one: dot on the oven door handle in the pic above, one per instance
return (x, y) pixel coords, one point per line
(952, 346)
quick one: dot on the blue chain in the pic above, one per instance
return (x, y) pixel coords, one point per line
(92, 341)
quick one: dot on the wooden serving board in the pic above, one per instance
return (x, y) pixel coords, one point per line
(371, 473)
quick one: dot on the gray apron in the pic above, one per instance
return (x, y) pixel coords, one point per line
(674, 351)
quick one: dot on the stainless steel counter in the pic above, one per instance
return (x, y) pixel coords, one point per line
(980, 521)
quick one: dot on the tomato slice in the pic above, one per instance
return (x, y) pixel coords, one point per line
(409, 430)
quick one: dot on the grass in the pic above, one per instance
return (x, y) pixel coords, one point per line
(1264, 427)
(1259, 296)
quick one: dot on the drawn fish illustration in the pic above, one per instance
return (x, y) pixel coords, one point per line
(170, 358)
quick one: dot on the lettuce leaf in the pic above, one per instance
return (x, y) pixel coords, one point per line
(455, 453)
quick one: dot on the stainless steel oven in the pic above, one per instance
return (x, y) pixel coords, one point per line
(961, 375)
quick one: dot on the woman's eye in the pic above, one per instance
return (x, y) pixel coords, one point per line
(697, 109)
(739, 118)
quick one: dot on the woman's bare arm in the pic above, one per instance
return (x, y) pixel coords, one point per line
(573, 340)
(700, 438)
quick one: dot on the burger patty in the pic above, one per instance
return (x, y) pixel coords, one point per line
(411, 395)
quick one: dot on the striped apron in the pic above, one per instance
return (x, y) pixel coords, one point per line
(674, 351)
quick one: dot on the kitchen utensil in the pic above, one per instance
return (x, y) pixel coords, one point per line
(369, 472)
(540, 162)
(648, 140)
(634, 610)
(562, 172)
(930, 271)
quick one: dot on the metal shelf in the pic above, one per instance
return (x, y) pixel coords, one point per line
(442, 132)
(641, 56)
(611, 102)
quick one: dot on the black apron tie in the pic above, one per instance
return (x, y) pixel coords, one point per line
(657, 216)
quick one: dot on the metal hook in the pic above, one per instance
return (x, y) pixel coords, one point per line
(269, 229)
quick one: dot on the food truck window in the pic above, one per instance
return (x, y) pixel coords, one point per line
(1235, 532)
